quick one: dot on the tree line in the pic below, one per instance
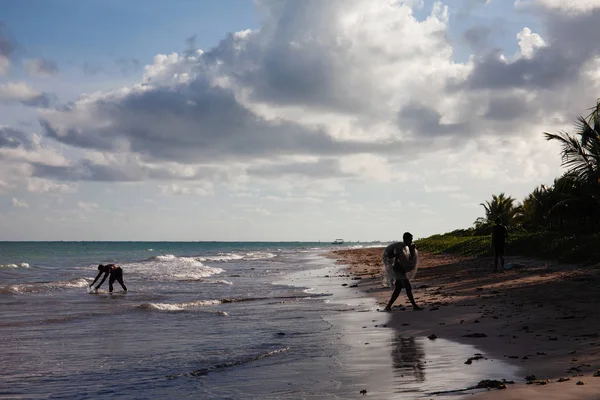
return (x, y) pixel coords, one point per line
(571, 203)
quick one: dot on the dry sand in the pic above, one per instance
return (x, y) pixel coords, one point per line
(540, 316)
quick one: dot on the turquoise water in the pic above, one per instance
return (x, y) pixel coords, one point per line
(204, 321)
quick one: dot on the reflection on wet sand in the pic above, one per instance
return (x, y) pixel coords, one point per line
(422, 366)
(408, 360)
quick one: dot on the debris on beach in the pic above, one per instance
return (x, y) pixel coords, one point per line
(484, 384)
(531, 380)
(597, 373)
(363, 392)
(492, 384)
(474, 358)
(475, 335)
(580, 383)
(433, 336)
(563, 379)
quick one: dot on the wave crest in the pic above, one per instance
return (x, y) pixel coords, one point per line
(19, 265)
(38, 287)
(178, 306)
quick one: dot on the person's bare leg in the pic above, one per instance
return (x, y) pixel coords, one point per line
(408, 287)
(397, 289)
(495, 262)
(120, 280)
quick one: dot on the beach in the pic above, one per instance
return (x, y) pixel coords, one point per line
(210, 320)
(539, 316)
(251, 320)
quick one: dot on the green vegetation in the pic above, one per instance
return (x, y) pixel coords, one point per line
(561, 221)
(572, 248)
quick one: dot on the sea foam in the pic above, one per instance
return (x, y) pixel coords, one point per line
(20, 265)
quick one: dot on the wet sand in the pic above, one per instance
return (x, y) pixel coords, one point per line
(539, 315)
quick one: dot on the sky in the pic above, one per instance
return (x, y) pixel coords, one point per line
(275, 120)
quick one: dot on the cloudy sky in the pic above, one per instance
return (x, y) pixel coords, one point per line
(281, 120)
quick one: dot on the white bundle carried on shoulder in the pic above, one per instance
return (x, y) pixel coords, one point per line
(404, 259)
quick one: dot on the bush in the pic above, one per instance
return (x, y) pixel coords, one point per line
(572, 248)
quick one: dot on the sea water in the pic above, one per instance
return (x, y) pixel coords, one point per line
(206, 321)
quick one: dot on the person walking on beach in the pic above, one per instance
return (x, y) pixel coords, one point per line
(400, 265)
(499, 235)
(116, 274)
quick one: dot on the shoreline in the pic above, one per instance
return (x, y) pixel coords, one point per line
(539, 316)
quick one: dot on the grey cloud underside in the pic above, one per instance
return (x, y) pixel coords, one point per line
(43, 100)
(573, 40)
(423, 120)
(87, 171)
(478, 37)
(131, 172)
(507, 108)
(197, 123)
(13, 138)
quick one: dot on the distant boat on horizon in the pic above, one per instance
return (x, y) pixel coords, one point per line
(338, 241)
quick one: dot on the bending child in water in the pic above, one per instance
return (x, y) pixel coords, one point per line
(116, 274)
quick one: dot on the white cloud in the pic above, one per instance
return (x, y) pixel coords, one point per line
(17, 91)
(38, 185)
(87, 206)
(529, 42)
(19, 203)
(324, 97)
(199, 189)
(21, 92)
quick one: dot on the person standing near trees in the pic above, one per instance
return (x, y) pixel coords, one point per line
(499, 235)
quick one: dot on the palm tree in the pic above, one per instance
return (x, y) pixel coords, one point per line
(581, 153)
(535, 209)
(502, 207)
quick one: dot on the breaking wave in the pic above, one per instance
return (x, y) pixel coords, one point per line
(178, 306)
(20, 265)
(170, 267)
(39, 287)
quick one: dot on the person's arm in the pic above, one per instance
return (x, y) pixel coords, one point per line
(102, 281)
(97, 276)
(412, 249)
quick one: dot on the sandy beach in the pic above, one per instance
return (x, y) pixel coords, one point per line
(540, 316)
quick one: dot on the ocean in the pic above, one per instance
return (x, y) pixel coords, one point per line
(206, 320)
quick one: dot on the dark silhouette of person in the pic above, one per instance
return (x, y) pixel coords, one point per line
(400, 261)
(408, 355)
(499, 235)
(116, 274)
